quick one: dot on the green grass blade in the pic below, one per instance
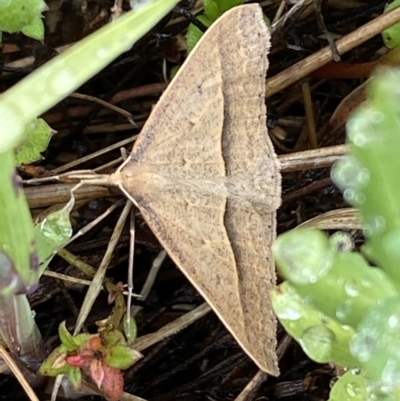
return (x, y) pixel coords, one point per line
(19, 262)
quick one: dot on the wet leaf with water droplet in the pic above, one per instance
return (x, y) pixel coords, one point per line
(349, 387)
(377, 343)
(322, 338)
(303, 256)
(341, 285)
(369, 174)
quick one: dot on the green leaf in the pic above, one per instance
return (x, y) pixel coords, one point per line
(369, 176)
(377, 343)
(130, 330)
(194, 34)
(82, 339)
(211, 10)
(225, 5)
(391, 36)
(341, 285)
(55, 364)
(66, 338)
(75, 377)
(121, 356)
(16, 15)
(18, 257)
(53, 233)
(26, 100)
(349, 387)
(113, 337)
(36, 139)
(323, 339)
(35, 29)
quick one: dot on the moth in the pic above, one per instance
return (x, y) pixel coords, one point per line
(206, 179)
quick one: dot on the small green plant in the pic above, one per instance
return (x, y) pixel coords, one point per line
(342, 306)
(213, 9)
(24, 16)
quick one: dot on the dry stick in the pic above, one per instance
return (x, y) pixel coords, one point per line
(308, 159)
(297, 161)
(112, 163)
(48, 195)
(94, 222)
(322, 27)
(108, 105)
(98, 278)
(64, 277)
(171, 328)
(97, 283)
(292, 14)
(308, 105)
(150, 279)
(344, 219)
(324, 56)
(18, 374)
(132, 232)
(279, 12)
(117, 145)
(261, 376)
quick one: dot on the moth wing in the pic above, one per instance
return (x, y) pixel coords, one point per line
(191, 224)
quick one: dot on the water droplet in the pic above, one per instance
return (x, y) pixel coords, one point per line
(366, 283)
(303, 257)
(353, 389)
(290, 314)
(125, 42)
(348, 173)
(317, 342)
(62, 81)
(393, 321)
(352, 288)
(361, 127)
(363, 345)
(343, 310)
(374, 225)
(391, 374)
(102, 52)
(376, 117)
(379, 393)
(288, 304)
(349, 195)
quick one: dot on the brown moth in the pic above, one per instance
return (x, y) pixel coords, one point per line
(205, 177)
